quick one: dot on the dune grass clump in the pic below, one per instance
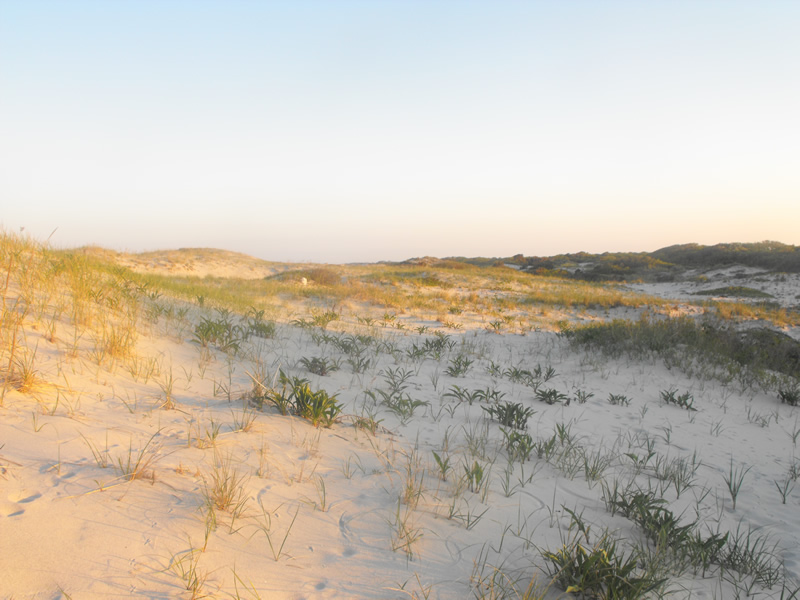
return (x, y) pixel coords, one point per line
(138, 465)
(224, 488)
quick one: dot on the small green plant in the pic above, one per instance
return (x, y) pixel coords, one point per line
(318, 407)
(303, 323)
(404, 406)
(581, 396)
(518, 375)
(564, 434)
(467, 517)
(494, 370)
(510, 414)
(397, 380)
(443, 464)
(518, 445)
(244, 420)
(595, 464)
(544, 374)
(462, 394)
(495, 326)
(167, 385)
(704, 552)
(279, 398)
(138, 465)
(359, 363)
(184, 565)
(319, 365)
(489, 395)
(784, 488)
(413, 484)
(619, 400)
(459, 366)
(762, 420)
(551, 396)
(256, 325)
(323, 319)
(224, 488)
(265, 526)
(474, 476)
(734, 480)
(322, 494)
(546, 448)
(100, 456)
(211, 434)
(221, 333)
(404, 533)
(657, 522)
(679, 472)
(685, 400)
(752, 553)
(295, 396)
(367, 422)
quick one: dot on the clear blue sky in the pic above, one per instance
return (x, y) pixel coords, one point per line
(340, 131)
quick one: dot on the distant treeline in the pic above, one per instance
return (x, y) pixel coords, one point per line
(665, 264)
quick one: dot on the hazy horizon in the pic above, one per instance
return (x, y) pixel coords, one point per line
(361, 131)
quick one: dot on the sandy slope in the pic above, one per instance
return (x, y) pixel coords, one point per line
(193, 262)
(70, 525)
(784, 287)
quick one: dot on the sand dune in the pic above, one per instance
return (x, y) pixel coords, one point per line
(115, 470)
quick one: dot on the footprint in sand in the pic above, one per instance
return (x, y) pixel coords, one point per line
(23, 497)
(11, 506)
(10, 509)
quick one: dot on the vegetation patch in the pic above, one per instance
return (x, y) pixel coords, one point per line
(751, 356)
(736, 291)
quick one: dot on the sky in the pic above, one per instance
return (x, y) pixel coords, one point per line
(357, 131)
